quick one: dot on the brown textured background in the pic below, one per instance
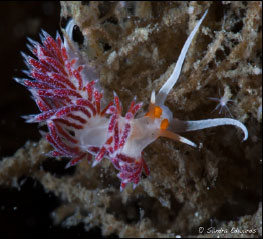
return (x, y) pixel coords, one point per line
(218, 186)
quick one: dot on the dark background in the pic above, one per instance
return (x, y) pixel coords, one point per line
(17, 22)
(25, 212)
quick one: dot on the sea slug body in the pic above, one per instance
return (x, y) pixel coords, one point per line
(79, 126)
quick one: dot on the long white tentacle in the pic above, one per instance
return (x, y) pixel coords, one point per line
(184, 126)
(164, 91)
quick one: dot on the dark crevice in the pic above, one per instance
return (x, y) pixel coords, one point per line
(104, 8)
(77, 35)
(85, 3)
(111, 20)
(220, 55)
(64, 21)
(105, 46)
(237, 27)
(57, 167)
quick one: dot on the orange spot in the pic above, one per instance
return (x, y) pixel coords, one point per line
(158, 111)
(154, 111)
(164, 124)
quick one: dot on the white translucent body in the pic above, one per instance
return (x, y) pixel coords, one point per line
(143, 132)
(94, 133)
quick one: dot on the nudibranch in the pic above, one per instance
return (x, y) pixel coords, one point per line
(80, 124)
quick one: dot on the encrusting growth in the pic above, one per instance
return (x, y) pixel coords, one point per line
(67, 93)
